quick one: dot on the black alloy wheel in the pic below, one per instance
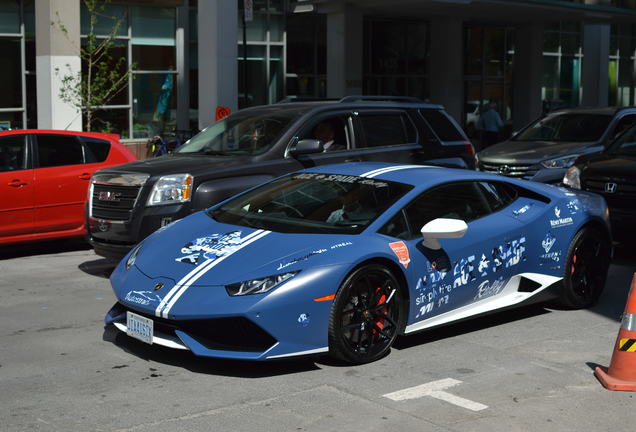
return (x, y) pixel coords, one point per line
(586, 267)
(366, 315)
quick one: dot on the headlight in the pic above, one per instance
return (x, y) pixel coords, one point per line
(562, 162)
(133, 257)
(572, 178)
(171, 189)
(258, 286)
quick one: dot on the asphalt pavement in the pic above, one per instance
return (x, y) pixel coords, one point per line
(528, 369)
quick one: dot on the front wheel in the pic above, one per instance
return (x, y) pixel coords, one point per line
(586, 267)
(366, 315)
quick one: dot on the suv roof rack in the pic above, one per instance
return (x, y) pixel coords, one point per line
(380, 99)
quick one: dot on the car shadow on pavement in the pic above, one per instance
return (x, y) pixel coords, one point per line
(611, 304)
(205, 365)
(48, 247)
(100, 267)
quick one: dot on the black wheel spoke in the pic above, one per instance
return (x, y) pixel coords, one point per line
(352, 326)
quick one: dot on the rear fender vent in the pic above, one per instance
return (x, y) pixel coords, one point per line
(527, 285)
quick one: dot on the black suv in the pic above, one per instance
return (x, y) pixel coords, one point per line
(129, 202)
(612, 174)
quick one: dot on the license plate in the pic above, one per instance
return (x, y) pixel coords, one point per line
(139, 327)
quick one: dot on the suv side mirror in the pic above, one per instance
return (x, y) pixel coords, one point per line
(307, 146)
(442, 228)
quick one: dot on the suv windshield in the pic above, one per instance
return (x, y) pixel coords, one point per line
(566, 127)
(312, 203)
(626, 144)
(244, 133)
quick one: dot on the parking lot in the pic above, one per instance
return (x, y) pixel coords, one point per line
(527, 369)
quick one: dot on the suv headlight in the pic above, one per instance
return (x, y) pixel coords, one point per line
(562, 162)
(258, 286)
(171, 189)
(572, 178)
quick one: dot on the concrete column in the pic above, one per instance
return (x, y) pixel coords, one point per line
(57, 42)
(527, 74)
(447, 65)
(218, 62)
(183, 66)
(344, 51)
(594, 76)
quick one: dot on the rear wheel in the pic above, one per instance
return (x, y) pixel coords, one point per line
(586, 267)
(366, 315)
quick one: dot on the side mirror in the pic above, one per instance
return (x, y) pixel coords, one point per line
(307, 146)
(442, 228)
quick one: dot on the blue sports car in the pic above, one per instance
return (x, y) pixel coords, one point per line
(341, 259)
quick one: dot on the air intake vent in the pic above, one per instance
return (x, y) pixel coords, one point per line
(527, 285)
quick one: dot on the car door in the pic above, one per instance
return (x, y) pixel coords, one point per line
(464, 270)
(16, 187)
(61, 183)
(386, 136)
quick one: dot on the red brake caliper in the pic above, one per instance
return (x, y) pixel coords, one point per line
(573, 264)
(380, 321)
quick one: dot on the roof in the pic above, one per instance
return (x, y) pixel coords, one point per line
(612, 110)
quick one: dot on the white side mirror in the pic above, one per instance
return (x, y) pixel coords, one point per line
(442, 228)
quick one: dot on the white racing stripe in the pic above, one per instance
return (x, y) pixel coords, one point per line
(377, 172)
(177, 290)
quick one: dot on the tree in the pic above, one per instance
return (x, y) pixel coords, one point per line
(102, 77)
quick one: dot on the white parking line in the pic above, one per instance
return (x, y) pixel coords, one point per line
(435, 389)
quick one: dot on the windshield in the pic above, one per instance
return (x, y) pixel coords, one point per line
(566, 127)
(244, 133)
(626, 144)
(312, 203)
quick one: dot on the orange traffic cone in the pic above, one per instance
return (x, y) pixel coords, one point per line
(621, 374)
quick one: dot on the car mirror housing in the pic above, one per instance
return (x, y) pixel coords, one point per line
(442, 228)
(308, 146)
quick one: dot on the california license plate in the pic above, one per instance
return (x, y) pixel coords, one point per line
(139, 327)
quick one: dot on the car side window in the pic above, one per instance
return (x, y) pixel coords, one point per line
(497, 195)
(386, 129)
(58, 150)
(460, 200)
(97, 149)
(396, 227)
(13, 153)
(442, 126)
(624, 123)
(333, 132)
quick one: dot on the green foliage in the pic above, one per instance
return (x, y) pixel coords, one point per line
(102, 76)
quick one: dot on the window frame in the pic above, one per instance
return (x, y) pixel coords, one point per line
(36, 150)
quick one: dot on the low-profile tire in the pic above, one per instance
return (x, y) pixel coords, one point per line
(585, 269)
(366, 315)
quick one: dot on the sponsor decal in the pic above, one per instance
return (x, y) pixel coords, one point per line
(303, 320)
(143, 298)
(299, 259)
(210, 247)
(521, 210)
(573, 207)
(548, 242)
(341, 178)
(340, 245)
(488, 289)
(402, 252)
(550, 258)
(559, 221)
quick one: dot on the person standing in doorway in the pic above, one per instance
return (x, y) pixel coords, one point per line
(489, 124)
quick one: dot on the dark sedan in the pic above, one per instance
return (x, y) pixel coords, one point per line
(611, 174)
(547, 147)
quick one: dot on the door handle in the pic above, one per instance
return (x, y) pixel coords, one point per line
(353, 160)
(17, 183)
(85, 176)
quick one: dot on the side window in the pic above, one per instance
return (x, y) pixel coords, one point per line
(443, 127)
(97, 150)
(13, 153)
(624, 124)
(497, 195)
(58, 150)
(396, 227)
(332, 131)
(462, 200)
(385, 129)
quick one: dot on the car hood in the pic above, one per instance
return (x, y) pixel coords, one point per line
(177, 163)
(530, 152)
(200, 251)
(610, 166)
